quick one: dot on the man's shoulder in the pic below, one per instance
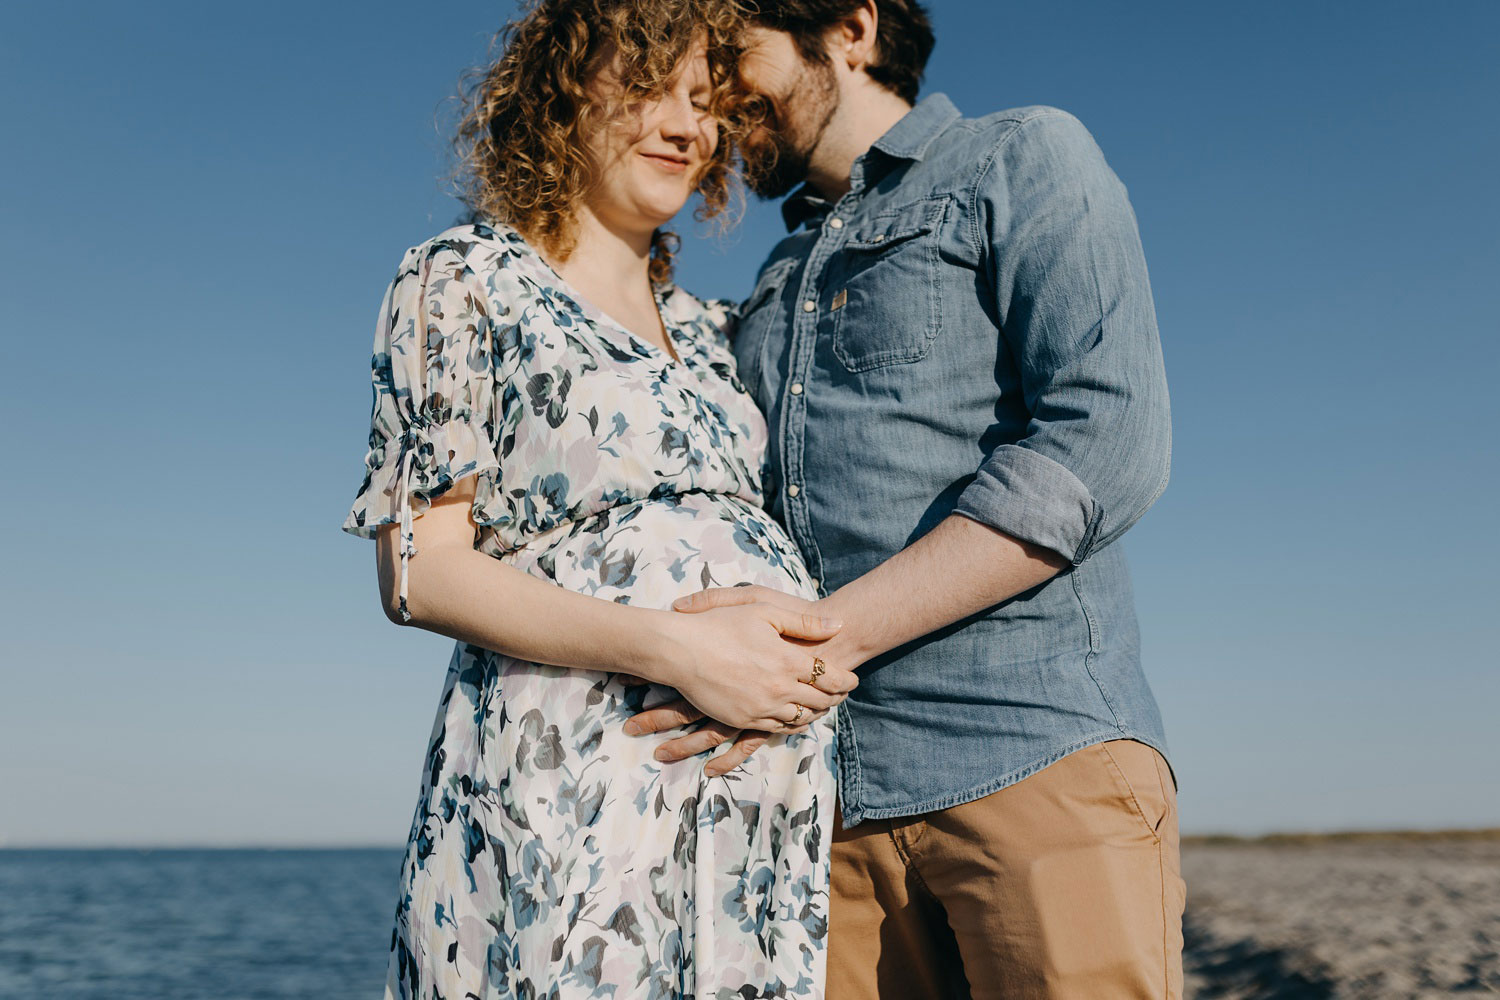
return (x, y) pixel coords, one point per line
(1027, 148)
(1029, 126)
(1015, 116)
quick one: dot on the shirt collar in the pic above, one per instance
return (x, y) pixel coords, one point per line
(908, 139)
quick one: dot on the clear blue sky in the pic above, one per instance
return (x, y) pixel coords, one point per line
(203, 204)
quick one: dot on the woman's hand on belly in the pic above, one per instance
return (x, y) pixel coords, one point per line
(746, 666)
(836, 675)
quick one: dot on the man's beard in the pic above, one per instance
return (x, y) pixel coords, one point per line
(773, 165)
(776, 158)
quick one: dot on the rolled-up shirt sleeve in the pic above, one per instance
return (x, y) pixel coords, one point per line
(1062, 255)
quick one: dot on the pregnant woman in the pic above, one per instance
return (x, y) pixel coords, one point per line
(559, 448)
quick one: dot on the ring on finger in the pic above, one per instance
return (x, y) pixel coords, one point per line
(817, 671)
(798, 717)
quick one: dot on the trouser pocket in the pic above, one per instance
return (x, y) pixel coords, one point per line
(1144, 784)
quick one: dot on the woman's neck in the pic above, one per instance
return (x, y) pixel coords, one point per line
(610, 266)
(609, 257)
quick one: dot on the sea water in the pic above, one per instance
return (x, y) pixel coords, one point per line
(191, 924)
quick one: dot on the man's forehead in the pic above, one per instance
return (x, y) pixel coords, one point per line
(769, 45)
(769, 63)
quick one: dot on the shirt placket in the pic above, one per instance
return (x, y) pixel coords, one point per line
(812, 304)
(807, 314)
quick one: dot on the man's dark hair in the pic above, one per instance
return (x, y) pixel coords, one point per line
(903, 37)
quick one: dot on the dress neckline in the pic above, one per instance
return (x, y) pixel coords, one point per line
(598, 317)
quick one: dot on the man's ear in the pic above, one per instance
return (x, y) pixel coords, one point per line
(853, 39)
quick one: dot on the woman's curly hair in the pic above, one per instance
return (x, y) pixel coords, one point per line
(521, 141)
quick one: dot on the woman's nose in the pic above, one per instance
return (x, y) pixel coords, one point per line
(679, 120)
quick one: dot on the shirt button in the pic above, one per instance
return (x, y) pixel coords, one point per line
(809, 306)
(817, 584)
(796, 388)
(793, 490)
(835, 223)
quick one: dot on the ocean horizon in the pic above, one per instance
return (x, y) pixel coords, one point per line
(1196, 837)
(183, 923)
(1291, 916)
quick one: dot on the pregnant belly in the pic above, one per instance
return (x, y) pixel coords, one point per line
(650, 552)
(585, 797)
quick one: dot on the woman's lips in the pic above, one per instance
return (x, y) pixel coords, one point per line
(671, 164)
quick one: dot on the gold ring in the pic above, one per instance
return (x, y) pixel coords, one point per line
(818, 668)
(798, 716)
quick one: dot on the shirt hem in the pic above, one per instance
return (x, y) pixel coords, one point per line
(858, 815)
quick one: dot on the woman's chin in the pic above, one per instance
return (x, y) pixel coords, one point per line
(662, 201)
(645, 212)
(667, 208)
(658, 216)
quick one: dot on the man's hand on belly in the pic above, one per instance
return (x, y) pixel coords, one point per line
(714, 733)
(958, 568)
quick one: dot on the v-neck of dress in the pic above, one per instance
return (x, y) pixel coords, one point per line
(599, 317)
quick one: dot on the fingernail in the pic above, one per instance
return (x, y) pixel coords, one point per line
(832, 623)
(632, 729)
(662, 755)
(680, 602)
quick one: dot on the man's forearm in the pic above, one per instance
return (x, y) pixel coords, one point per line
(959, 567)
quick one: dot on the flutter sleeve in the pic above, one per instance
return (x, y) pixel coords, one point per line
(433, 417)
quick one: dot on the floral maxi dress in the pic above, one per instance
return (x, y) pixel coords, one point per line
(550, 854)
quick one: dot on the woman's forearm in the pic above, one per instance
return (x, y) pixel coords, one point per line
(470, 596)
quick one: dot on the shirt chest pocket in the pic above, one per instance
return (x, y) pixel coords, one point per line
(760, 317)
(886, 308)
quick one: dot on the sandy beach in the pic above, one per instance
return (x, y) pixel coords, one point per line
(1343, 916)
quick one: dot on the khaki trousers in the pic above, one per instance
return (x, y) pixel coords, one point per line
(1066, 884)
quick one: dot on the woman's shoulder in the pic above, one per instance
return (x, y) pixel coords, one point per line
(491, 262)
(481, 245)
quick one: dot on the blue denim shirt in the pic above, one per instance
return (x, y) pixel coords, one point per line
(969, 330)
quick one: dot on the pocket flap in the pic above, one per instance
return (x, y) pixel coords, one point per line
(897, 225)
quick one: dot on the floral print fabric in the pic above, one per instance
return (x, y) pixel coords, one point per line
(550, 855)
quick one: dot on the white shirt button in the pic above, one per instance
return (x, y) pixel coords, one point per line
(796, 388)
(793, 490)
(835, 223)
(809, 306)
